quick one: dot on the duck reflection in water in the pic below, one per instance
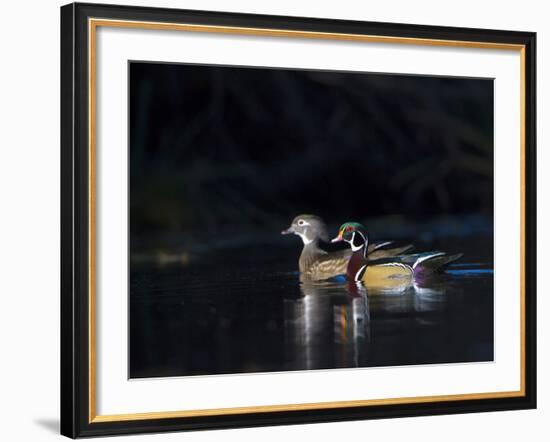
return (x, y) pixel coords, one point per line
(330, 325)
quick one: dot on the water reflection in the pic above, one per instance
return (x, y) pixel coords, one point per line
(335, 318)
(254, 321)
(329, 318)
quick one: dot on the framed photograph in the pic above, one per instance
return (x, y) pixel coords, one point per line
(278, 220)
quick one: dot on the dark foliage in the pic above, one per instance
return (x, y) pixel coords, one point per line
(214, 147)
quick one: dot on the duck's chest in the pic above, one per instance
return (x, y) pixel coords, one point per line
(356, 261)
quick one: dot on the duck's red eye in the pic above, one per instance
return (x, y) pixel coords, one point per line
(349, 229)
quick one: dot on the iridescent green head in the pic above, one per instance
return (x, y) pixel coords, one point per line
(353, 233)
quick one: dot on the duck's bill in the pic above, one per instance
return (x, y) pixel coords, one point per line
(288, 231)
(337, 239)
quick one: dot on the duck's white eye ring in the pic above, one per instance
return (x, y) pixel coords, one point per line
(301, 222)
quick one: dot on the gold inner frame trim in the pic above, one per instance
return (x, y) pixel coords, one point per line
(93, 23)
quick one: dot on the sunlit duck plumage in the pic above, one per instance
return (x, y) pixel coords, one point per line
(363, 268)
(317, 261)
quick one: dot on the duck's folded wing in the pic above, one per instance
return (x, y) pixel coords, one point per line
(376, 245)
(420, 262)
(409, 259)
(383, 252)
(433, 263)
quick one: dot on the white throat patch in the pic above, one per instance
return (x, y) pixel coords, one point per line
(304, 236)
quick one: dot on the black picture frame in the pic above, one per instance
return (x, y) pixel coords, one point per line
(76, 403)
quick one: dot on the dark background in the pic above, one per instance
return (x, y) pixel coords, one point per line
(219, 149)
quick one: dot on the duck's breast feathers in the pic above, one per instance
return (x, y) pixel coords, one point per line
(310, 254)
(323, 265)
(328, 268)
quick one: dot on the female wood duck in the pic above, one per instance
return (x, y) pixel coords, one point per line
(363, 268)
(317, 261)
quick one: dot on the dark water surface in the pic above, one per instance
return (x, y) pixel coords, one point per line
(245, 310)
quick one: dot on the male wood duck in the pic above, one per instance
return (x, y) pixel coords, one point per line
(317, 261)
(361, 267)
